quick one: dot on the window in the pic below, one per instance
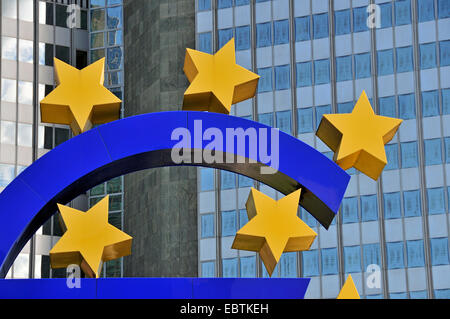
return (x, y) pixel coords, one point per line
(243, 218)
(407, 106)
(304, 74)
(243, 38)
(221, 4)
(204, 5)
(266, 118)
(447, 149)
(8, 132)
(207, 225)
(6, 174)
(263, 35)
(302, 29)
(244, 181)
(404, 59)
(322, 71)
(395, 255)
(24, 135)
(81, 59)
(430, 103)
(282, 77)
(342, 22)
(61, 135)
(442, 293)
(9, 90)
(329, 261)
(308, 218)
(428, 55)
(114, 17)
(418, 294)
(409, 154)
(398, 295)
(25, 95)
(443, 9)
(281, 31)
(433, 154)
(385, 62)
(305, 120)
(412, 203)
(369, 208)
(62, 53)
(387, 106)
(284, 121)
(288, 265)
(310, 263)
(360, 16)
(320, 111)
(248, 267)
(230, 268)
(242, 2)
(265, 80)
(205, 42)
(320, 25)
(225, 35)
(371, 254)
(228, 180)
(392, 157)
(362, 65)
(402, 12)
(352, 258)
(386, 15)
(446, 101)
(62, 15)
(426, 10)
(9, 48)
(444, 50)
(392, 207)
(229, 223)
(415, 254)
(439, 251)
(350, 210)
(9, 9)
(344, 68)
(436, 201)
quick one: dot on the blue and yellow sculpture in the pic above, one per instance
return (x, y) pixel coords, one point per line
(306, 176)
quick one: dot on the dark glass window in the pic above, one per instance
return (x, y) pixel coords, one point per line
(61, 15)
(81, 59)
(63, 53)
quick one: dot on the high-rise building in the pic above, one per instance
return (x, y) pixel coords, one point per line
(316, 57)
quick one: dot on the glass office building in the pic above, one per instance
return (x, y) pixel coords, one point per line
(316, 57)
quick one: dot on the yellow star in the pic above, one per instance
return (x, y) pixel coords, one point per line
(89, 240)
(358, 138)
(80, 100)
(273, 228)
(349, 290)
(216, 80)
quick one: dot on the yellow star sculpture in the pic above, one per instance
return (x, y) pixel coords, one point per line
(349, 290)
(358, 138)
(216, 80)
(80, 99)
(273, 228)
(89, 240)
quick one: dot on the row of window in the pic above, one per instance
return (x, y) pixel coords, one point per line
(204, 5)
(106, 19)
(103, 39)
(229, 222)
(8, 173)
(114, 57)
(371, 255)
(115, 202)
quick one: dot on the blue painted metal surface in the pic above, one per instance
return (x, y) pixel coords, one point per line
(142, 142)
(156, 288)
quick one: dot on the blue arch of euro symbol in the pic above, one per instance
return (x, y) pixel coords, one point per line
(146, 141)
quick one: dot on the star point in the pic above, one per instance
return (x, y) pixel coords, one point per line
(216, 80)
(80, 99)
(89, 239)
(349, 290)
(273, 228)
(358, 138)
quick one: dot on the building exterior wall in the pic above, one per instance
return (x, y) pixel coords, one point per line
(316, 57)
(160, 206)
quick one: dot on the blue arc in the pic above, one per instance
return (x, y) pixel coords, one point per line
(143, 142)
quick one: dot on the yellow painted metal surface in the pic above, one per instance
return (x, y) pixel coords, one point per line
(349, 290)
(80, 99)
(358, 138)
(89, 239)
(216, 80)
(273, 228)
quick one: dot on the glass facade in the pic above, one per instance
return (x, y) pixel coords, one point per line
(316, 57)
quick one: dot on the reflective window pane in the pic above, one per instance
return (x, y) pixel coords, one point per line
(9, 48)
(8, 132)
(26, 9)
(114, 17)
(25, 135)
(97, 20)
(25, 92)
(9, 9)
(6, 174)
(9, 90)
